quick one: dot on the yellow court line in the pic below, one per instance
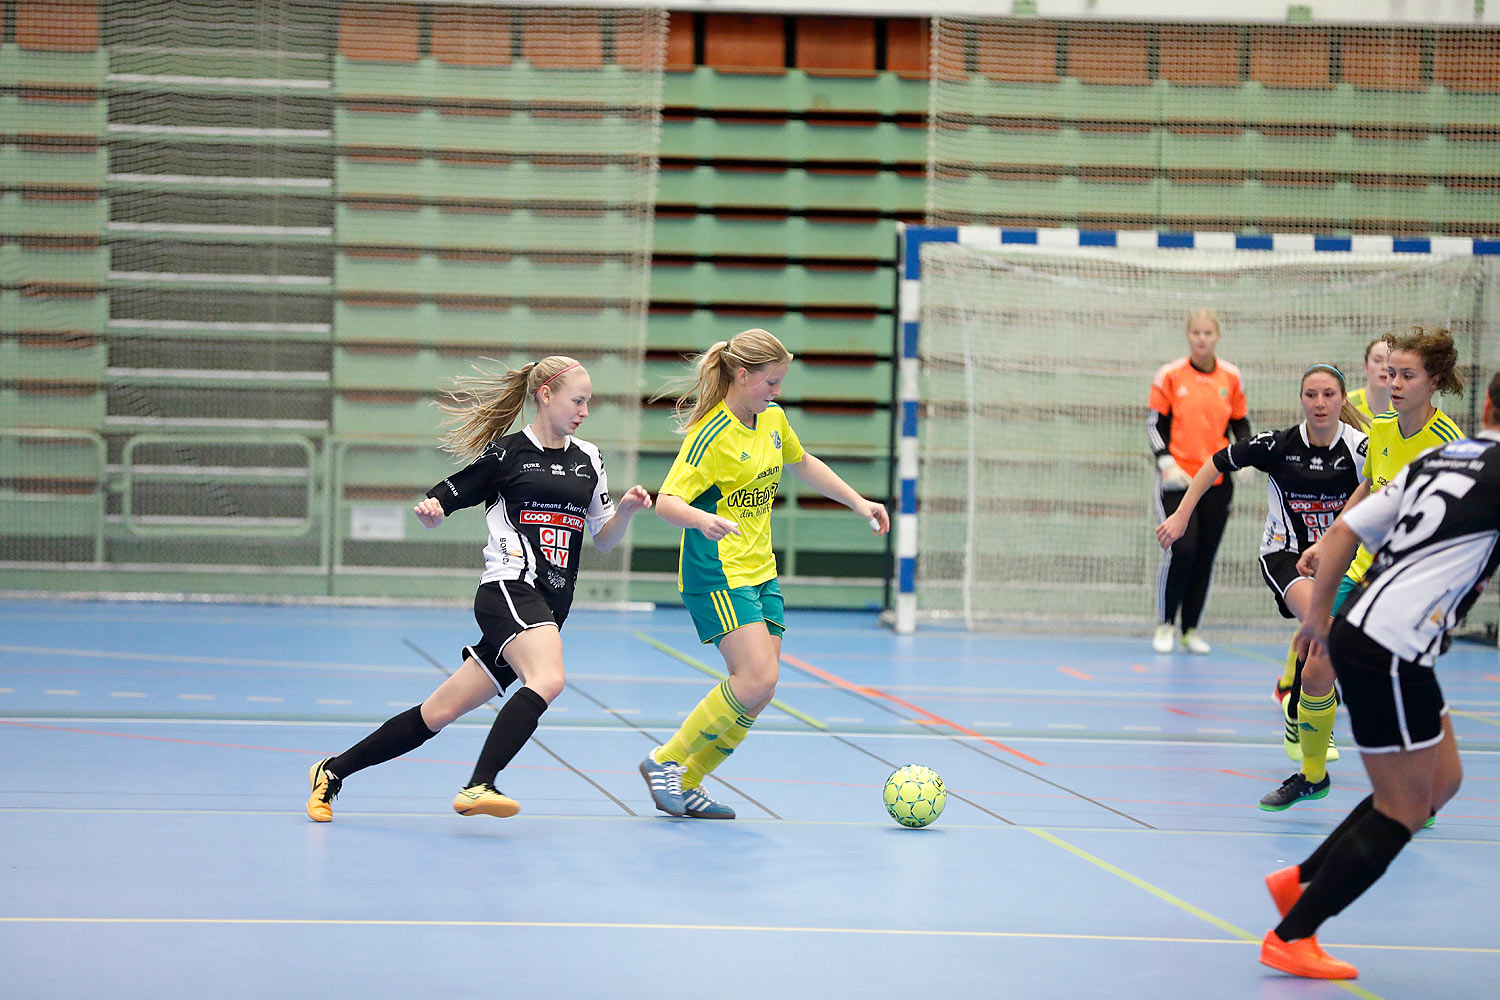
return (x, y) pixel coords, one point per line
(1181, 904)
(1252, 654)
(1471, 715)
(797, 714)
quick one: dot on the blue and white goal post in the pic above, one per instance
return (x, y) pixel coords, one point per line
(994, 326)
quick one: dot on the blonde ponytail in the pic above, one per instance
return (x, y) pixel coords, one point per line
(712, 372)
(1351, 415)
(483, 406)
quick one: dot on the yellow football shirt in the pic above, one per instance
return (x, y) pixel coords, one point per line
(731, 470)
(1389, 453)
(1357, 397)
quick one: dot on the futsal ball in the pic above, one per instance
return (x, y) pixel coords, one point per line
(914, 795)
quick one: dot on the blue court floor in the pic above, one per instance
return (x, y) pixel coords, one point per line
(1101, 838)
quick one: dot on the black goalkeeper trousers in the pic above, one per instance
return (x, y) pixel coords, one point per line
(1187, 568)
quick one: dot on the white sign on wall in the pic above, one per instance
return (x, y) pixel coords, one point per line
(385, 524)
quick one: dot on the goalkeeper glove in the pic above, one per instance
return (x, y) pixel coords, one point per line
(1172, 476)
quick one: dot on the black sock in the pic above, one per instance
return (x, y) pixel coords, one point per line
(397, 735)
(1308, 870)
(513, 727)
(1354, 862)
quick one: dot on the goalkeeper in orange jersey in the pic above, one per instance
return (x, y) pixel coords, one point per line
(1197, 403)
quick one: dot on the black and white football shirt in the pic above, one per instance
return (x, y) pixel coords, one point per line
(537, 502)
(1433, 531)
(1308, 485)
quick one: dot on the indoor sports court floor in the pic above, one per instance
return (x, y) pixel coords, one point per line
(1101, 837)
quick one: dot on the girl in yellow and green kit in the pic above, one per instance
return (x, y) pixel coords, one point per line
(719, 492)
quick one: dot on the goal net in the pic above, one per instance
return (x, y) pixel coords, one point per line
(1035, 484)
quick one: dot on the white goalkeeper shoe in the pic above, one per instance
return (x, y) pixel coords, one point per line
(1165, 638)
(1195, 643)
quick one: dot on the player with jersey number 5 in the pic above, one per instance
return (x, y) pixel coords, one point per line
(1197, 403)
(1313, 470)
(1433, 531)
(719, 491)
(540, 488)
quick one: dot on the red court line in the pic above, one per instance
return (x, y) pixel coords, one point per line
(1076, 673)
(926, 716)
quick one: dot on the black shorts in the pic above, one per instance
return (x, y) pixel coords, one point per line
(1280, 572)
(504, 610)
(1393, 704)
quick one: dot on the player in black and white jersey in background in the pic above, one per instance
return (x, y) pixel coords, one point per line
(1434, 531)
(540, 488)
(1314, 468)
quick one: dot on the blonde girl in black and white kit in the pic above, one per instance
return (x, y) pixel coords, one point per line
(540, 488)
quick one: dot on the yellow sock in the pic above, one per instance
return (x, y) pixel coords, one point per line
(1314, 726)
(706, 724)
(717, 752)
(1290, 673)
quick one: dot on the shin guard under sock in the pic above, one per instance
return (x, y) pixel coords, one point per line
(1354, 862)
(397, 735)
(1314, 727)
(512, 728)
(704, 761)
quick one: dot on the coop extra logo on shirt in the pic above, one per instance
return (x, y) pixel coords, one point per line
(555, 532)
(1318, 515)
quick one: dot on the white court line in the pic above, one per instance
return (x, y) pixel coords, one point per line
(196, 697)
(61, 691)
(7, 690)
(1141, 729)
(842, 718)
(994, 725)
(668, 730)
(1066, 725)
(275, 698)
(217, 661)
(335, 701)
(127, 694)
(1218, 732)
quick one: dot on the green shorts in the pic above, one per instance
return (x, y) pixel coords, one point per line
(720, 612)
(1346, 587)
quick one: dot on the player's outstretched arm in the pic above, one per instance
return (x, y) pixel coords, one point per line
(634, 500)
(429, 512)
(813, 471)
(680, 514)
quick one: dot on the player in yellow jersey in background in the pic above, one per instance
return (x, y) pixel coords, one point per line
(1375, 395)
(1422, 363)
(719, 492)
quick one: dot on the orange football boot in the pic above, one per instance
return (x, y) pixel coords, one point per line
(1303, 958)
